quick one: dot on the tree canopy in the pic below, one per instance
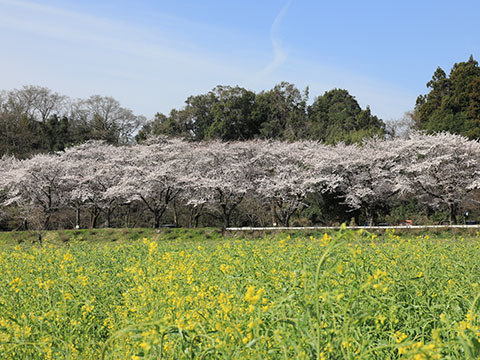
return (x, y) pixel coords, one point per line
(453, 103)
(35, 119)
(212, 179)
(282, 113)
(336, 116)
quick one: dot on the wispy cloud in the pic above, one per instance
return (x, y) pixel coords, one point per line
(279, 53)
(156, 67)
(57, 23)
(118, 58)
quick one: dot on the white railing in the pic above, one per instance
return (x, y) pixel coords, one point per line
(403, 227)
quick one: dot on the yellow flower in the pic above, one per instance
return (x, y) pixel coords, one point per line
(67, 257)
(399, 336)
(152, 247)
(15, 284)
(252, 297)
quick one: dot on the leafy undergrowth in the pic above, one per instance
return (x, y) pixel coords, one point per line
(179, 294)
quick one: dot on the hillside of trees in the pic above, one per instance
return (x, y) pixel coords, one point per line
(453, 103)
(37, 120)
(52, 142)
(234, 113)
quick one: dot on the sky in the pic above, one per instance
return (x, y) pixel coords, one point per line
(152, 55)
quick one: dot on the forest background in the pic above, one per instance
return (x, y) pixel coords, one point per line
(36, 120)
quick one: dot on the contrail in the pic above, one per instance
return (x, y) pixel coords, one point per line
(279, 54)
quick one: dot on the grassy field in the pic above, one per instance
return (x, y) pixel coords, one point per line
(179, 294)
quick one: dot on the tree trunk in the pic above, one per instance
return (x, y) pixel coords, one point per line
(156, 219)
(127, 216)
(227, 214)
(272, 210)
(157, 216)
(109, 218)
(196, 219)
(194, 215)
(94, 214)
(453, 214)
(283, 215)
(287, 220)
(190, 219)
(175, 214)
(226, 219)
(77, 217)
(46, 223)
(370, 216)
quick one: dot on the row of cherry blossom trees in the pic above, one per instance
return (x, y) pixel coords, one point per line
(168, 174)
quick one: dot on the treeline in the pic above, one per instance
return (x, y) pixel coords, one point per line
(37, 120)
(249, 183)
(282, 113)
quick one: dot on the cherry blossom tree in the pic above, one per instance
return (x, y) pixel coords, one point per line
(155, 175)
(440, 170)
(222, 174)
(367, 175)
(289, 172)
(7, 164)
(36, 186)
(92, 170)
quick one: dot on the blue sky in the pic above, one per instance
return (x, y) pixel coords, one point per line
(151, 55)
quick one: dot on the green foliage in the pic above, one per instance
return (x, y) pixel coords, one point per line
(453, 103)
(336, 116)
(282, 112)
(19, 136)
(23, 136)
(233, 113)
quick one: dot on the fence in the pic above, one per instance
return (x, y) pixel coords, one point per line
(402, 227)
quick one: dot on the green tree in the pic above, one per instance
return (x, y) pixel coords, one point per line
(453, 103)
(281, 112)
(233, 115)
(19, 135)
(198, 114)
(57, 133)
(336, 116)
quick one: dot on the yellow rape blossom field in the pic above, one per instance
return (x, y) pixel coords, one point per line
(347, 295)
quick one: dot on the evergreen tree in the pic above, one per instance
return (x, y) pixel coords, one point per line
(453, 103)
(336, 116)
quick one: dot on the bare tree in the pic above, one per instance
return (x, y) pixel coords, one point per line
(36, 101)
(109, 119)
